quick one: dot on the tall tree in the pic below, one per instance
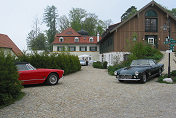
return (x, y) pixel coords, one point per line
(63, 23)
(33, 34)
(76, 18)
(130, 11)
(50, 16)
(90, 24)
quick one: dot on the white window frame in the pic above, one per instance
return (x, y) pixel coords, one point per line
(151, 41)
(76, 39)
(61, 39)
(91, 39)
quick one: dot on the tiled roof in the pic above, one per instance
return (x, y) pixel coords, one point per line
(71, 40)
(69, 36)
(6, 42)
(68, 32)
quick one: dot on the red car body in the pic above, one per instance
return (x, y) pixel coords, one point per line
(29, 75)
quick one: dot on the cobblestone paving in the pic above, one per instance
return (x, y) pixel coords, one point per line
(92, 93)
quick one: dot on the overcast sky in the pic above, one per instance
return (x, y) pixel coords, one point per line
(17, 16)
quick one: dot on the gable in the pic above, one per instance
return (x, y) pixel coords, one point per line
(69, 32)
(6, 42)
(152, 4)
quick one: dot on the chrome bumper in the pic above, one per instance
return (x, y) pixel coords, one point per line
(128, 79)
(62, 77)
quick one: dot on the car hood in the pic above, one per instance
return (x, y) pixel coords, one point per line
(132, 70)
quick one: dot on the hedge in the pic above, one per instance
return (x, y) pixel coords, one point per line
(10, 86)
(65, 61)
(100, 65)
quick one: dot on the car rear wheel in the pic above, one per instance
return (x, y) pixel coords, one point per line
(52, 79)
(143, 79)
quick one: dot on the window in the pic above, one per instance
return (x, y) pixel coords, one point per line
(72, 48)
(61, 39)
(76, 39)
(60, 48)
(151, 41)
(93, 48)
(91, 39)
(151, 25)
(83, 48)
(151, 21)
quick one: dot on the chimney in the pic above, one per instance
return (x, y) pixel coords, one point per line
(98, 37)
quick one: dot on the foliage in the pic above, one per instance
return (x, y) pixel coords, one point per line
(65, 61)
(50, 16)
(76, 18)
(63, 23)
(90, 23)
(173, 73)
(105, 64)
(138, 51)
(100, 65)
(130, 11)
(141, 51)
(81, 19)
(173, 12)
(39, 43)
(173, 76)
(36, 40)
(10, 86)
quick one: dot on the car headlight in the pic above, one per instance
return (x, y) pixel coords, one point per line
(115, 72)
(136, 73)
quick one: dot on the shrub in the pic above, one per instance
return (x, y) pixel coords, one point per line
(10, 86)
(105, 64)
(173, 73)
(100, 65)
(65, 61)
(97, 64)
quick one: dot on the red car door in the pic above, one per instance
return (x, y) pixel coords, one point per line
(31, 76)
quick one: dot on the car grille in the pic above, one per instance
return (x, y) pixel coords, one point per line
(125, 76)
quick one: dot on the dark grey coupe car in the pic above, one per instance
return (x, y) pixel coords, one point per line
(139, 70)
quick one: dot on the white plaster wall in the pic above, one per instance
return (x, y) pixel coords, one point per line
(112, 57)
(94, 55)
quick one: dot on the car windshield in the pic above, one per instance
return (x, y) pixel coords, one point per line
(140, 63)
(23, 67)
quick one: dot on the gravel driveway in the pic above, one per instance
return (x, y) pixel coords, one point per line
(92, 93)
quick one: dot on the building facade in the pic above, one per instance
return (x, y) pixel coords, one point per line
(8, 46)
(77, 43)
(151, 25)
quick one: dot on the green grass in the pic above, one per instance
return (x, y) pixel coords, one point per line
(20, 96)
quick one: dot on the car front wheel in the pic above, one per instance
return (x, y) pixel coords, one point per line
(159, 72)
(143, 79)
(52, 79)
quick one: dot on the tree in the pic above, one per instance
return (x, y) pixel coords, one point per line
(39, 43)
(50, 16)
(90, 24)
(76, 18)
(173, 12)
(36, 40)
(132, 10)
(63, 22)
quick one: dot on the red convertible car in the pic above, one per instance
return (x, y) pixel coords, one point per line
(30, 75)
